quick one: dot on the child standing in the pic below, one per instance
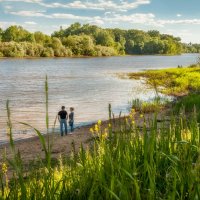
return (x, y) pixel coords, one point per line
(71, 119)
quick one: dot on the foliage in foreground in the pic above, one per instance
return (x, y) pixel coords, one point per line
(151, 106)
(174, 81)
(187, 103)
(155, 161)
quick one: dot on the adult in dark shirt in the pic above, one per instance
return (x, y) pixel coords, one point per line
(62, 117)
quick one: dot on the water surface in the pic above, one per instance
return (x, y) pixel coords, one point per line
(87, 84)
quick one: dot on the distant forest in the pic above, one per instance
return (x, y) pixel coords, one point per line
(89, 40)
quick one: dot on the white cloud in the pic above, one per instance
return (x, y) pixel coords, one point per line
(26, 1)
(67, 16)
(8, 7)
(96, 21)
(109, 17)
(184, 21)
(5, 24)
(186, 35)
(28, 13)
(137, 18)
(146, 19)
(179, 15)
(30, 23)
(99, 5)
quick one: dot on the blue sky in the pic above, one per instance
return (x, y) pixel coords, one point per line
(177, 17)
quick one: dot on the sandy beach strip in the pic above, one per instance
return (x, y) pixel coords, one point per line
(31, 149)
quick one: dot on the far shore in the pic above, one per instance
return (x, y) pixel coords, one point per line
(82, 56)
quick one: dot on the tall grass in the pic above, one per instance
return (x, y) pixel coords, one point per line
(188, 103)
(174, 81)
(159, 161)
(154, 105)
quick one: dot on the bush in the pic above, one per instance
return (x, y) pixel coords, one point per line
(12, 49)
(47, 52)
(104, 51)
(62, 52)
(148, 106)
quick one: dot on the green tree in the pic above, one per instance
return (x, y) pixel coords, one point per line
(80, 44)
(41, 38)
(55, 43)
(48, 52)
(1, 34)
(16, 33)
(154, 33)
(74, 29)
(104, 51)
(154, 46)
(59, 33)
(12, 49)
(104, 38)
(129, 46)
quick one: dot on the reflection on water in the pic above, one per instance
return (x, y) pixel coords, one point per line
(88, 84)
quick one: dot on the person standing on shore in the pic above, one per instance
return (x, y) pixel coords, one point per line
(71, 119)
(62, 117)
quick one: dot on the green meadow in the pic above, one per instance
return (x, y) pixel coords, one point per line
(175, 81)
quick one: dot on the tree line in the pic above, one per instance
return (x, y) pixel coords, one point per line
(89, 40)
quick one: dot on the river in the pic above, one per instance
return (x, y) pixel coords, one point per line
(87, 84)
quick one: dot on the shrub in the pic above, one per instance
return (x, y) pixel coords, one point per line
(104, 51)
(47, 52)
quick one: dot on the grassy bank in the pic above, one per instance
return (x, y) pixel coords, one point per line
(182, 83)
(157, 161)
(174, 81)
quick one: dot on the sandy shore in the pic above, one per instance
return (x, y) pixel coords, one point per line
(31, 148)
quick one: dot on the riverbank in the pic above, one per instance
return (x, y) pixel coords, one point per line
(176, 82)
(143, 146)
(31, 149)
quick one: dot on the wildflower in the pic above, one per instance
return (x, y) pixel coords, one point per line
(141, 115)
(96, 128)
(91, 130)
(57, 175)
(104, 136)
(99, 122)
(133, 122)
(132, 113)
(109, 125)
(132, 110)
(186, 134)
(4, 168)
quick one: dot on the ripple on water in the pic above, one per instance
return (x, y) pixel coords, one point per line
(88, 84)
